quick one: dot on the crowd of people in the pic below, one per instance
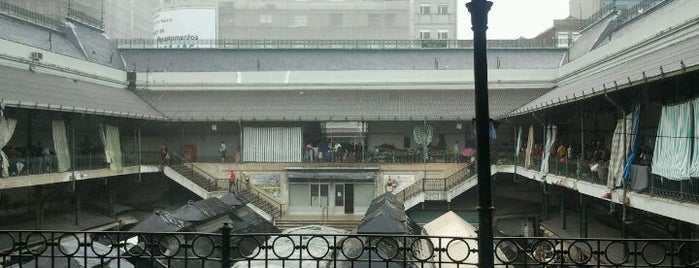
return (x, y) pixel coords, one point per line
(331, 151)
(20, 160)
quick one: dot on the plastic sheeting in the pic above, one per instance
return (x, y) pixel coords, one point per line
(202, 210)
(60, 145)
(694, 168)
(7, 129)
(272, 144)
(450, 224)
(161, 221)
(231, 199)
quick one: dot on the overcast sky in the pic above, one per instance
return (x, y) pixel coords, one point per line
(511, 19)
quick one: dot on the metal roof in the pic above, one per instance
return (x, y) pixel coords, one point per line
(242, 60)
(332, 105)
(36, 36)
(26, 89)
(679, 57)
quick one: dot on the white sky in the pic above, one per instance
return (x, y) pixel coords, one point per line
(511, 19)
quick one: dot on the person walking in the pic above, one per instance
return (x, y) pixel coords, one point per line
(457, 152)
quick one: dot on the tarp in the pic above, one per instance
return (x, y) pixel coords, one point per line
(450, 224)
(201, 210)
(161, 221)
(673, 147)
(231, 199)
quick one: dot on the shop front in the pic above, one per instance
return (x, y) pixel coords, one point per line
(330, 190)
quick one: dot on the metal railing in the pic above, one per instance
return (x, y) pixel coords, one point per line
(84, 18)
(260, 198)
(628, 14)
(438, 184)
(325, 44)
(597, 16)
(30, 16)
(581, 169)
(225, 249)
(25, 166)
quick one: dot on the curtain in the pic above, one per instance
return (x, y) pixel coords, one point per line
(60, 145)
(694, 168)
(530, 145)
(673, 148)
(518, 145)
(7, 129)
(112, 146)
(550, 140)
(620, 146)
(633, 145)
(272, 144)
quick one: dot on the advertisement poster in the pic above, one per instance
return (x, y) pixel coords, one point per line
(185, 28)
(268, 182)
(396, 183)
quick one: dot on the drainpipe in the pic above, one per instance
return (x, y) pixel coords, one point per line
(623, 183)
(479, 19)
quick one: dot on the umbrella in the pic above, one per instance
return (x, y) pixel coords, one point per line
(468, 152)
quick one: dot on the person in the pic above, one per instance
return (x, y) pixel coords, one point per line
(222, 151)
(457, 152)
(309, 152)
(389, 184)
(376, 154)
(561, 151)
(232, 181)
(164, 154)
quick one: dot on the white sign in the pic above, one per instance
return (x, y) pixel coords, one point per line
(185, 28)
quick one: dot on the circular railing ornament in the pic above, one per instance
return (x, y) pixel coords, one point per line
(315, 250)
(203, 246)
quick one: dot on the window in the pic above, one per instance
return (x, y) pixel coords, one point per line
(319, 195)
(442, 34)
(265, 19)
(300, 21)
(424, 34)
(336, 19)
(442, 9)
(424, 9)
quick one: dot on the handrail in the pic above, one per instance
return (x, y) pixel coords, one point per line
(263, 196)
(439, 184)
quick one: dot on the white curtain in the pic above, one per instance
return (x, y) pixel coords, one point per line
(112, 146)
(530, 145)
(621, 142)
(551, 132)
(518, 144)
(7, 129)
(673, 147)
(272, 144)
(694, 168)
(60, 145)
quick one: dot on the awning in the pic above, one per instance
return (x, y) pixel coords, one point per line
(362, 176)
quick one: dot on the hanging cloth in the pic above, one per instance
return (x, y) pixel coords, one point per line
(518, 145)
(112, 146)
(633, 145)
(7, 129)
(60, 145)
(673, 148)
(620, 145)
(551, 132)
(530, 145)
(694, 167)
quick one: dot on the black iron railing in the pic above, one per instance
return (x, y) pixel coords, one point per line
(437, 184)
(224, 249)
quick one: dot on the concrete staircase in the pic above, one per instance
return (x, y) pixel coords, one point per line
(441, 189)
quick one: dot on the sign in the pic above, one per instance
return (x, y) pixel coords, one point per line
(185, 28)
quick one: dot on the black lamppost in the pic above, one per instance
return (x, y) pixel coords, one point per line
(479, 20)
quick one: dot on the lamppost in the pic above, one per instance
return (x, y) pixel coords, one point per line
(479, 20)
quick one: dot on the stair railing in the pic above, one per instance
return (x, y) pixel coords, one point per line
(438, 184)
(193, 170)
(262, 196)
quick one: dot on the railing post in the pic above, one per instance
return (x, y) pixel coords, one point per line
(225, 246)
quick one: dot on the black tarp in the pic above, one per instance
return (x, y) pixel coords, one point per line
(202, 210)
(232, 199)
(161, 221)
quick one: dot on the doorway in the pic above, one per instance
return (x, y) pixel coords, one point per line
(344, 197)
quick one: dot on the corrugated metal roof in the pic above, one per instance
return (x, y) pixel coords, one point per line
(40, 37)
(232, 60)
(314, 105)
(97, 46)
(676, 57)
(22, 88)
